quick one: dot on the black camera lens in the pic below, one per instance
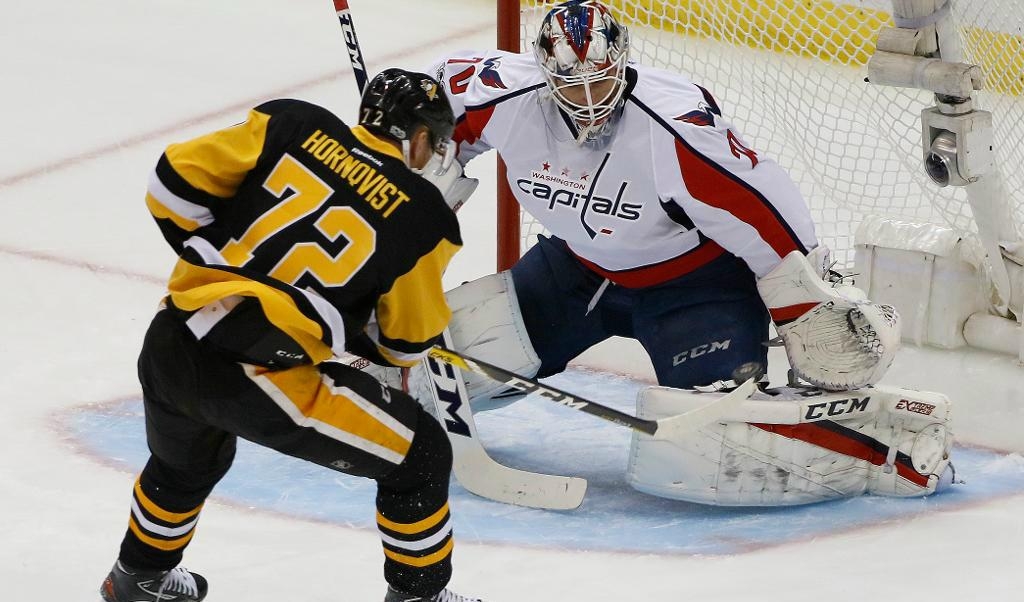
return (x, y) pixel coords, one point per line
(940, 164)
(937, 168)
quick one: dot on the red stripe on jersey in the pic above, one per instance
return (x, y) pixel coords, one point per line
(709, 184)
(822, 437)
(471, 127)
(781, 315)
(659, 273)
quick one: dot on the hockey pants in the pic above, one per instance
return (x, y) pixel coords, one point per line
(198, 402)
(696, 328)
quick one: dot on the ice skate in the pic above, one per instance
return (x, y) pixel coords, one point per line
(125, 584)
(444, 596)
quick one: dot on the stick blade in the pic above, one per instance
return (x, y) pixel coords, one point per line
(675, 427)
(480, 474)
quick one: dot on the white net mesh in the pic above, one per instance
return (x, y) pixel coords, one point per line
(791, 75)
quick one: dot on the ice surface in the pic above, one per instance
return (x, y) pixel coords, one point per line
(93, 91)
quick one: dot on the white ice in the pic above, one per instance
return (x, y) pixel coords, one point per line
(92, 92)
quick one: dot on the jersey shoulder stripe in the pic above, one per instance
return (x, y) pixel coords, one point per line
(711, 183)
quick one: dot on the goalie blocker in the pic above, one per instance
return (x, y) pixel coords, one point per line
(793, 446)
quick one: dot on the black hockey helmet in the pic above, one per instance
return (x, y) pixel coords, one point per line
(396, 101)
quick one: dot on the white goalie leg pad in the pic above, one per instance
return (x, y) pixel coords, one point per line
(835, 338)
(796, 446)
(486, 324)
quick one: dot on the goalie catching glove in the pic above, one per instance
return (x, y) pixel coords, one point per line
(835, 338)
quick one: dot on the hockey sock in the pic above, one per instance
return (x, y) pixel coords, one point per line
(413, 517)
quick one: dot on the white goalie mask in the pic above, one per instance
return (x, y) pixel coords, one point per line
(583, 51)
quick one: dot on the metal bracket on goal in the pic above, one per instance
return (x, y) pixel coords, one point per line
(956, 137)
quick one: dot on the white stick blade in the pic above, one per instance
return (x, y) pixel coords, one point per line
(675, 427)
(483, 476)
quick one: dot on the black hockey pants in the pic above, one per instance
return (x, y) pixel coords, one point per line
(198, 402)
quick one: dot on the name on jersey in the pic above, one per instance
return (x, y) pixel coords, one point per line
(572, 194)
(365, 180)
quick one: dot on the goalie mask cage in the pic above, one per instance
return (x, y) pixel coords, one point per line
(790, 74)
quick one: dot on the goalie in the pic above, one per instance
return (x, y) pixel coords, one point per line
(834, 435)
(665, 226)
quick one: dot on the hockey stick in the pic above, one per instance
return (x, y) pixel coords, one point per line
(669, 429)
(475, 470)
(355, 54)
(473, 467)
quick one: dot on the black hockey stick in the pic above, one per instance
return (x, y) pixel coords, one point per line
(670, 428)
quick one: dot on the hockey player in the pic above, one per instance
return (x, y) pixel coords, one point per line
(299, 238)
(666, 227)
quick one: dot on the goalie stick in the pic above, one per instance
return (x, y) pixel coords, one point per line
(668, 429)
(473, 467)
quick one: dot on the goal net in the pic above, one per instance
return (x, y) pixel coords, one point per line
(790, 74)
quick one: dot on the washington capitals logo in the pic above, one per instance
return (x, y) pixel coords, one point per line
(704, 114)
(489, 74)
(561, 191)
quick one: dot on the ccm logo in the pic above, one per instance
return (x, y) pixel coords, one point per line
(289, 355)
(700, 350)
(446, 388)
(917, 407)
(836, 408)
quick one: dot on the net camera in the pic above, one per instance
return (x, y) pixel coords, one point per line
(957, 143)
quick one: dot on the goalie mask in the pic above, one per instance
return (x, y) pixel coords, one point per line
(396, 101)
(583, 52)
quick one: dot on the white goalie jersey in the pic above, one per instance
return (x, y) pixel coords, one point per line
(670, 190)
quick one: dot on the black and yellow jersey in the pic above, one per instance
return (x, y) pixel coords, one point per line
(322, 224)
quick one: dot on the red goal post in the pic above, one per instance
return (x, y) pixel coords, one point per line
(509, 244)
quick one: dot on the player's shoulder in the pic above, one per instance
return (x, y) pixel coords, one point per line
(419, 202)
(297, 111)
(291, 121)
(487, 76)
(426, 218)
(673, 97)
